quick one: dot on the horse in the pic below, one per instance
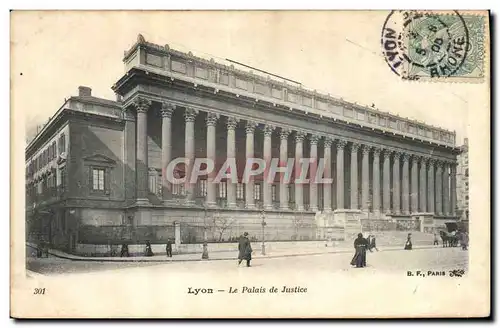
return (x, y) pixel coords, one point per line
(449, 240)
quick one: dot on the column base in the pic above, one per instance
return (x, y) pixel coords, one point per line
(250, 206)
(232, 205)
(211, 204)
(313, 209)
(300, 208)
(268, 207)
(327, 210)
(284, 208)
(142, 201)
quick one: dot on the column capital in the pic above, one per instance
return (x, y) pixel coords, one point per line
(406, 157)
(190, 114)
(341, 144)
(284, 134)
(385, 151)
(366, 149)
(212, 119)
(250, 127)
(424, 160)
(432, 162)
(142, 104)
(439, 164)
(416, 158)
(268, 130)
(377, 151)
(328, 142)
(299, 136)
(355, 147)
(232, 123)
(397, 154)
(314, 139)
(167, 109)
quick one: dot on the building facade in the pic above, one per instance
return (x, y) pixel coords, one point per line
(463, 182)
(107, 174)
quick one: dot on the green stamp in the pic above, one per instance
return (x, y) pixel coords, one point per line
(434, 45)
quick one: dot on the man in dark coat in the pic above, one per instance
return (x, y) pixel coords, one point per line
(245, 249)
(169, 247)
(360, 245)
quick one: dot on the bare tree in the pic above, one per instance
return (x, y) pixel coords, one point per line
(221, 224)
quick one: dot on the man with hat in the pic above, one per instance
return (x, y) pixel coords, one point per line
(245, 249)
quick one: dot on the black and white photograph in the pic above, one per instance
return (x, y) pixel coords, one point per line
(231, 164)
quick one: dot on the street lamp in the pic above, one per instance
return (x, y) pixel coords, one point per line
(263, 232)
(204, 255)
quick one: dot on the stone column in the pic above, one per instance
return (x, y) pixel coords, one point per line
(414, 184)
(453, 187)
(189, 116)
(446, 189)
(423, 184)
(430, 186)
(340, 173)
(142, 106)
(365, 178)
(166, 147)
(354, 176)
(376, 181)
(212, 118)
(386, 183)
(249, 187)
(405, 194)
(396, 192)
(313, 185)
(268, 132)
(232, 123)
(439, 188)
(283, 161)
(327, 187)
(299, 187)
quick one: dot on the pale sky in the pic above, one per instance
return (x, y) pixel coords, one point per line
(334, 52)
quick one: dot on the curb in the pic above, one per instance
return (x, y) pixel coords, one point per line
(118, 260)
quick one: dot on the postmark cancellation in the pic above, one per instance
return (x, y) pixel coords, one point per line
(436, 45)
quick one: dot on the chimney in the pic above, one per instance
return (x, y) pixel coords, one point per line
(84, 91)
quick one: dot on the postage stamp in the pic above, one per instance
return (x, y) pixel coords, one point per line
(430, 45)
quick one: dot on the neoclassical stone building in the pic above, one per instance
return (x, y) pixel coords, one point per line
(173, 104)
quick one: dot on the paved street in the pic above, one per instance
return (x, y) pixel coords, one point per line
(419, 259)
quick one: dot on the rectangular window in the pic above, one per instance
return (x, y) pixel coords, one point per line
(273, 193)
(202, 187)
(62, 144)
(291, 198)
(63, 177)
(256, 191)
(240, 191)
(98, 179)
(223, 189)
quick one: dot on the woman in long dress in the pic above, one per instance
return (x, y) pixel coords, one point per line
(408, 244)
(360, 245)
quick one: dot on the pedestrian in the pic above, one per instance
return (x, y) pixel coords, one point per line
(373, 243)
(360, 245)
(149, 251)
(436, 241)
(245, 249)
(464, 241)
(124, 252)
(408, 244)
(169, 247)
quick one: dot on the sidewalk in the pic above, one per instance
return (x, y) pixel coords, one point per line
(221, 256)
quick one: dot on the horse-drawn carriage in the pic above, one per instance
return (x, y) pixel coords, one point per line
(453, 235)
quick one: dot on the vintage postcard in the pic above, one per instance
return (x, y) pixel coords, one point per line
(241, 164)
